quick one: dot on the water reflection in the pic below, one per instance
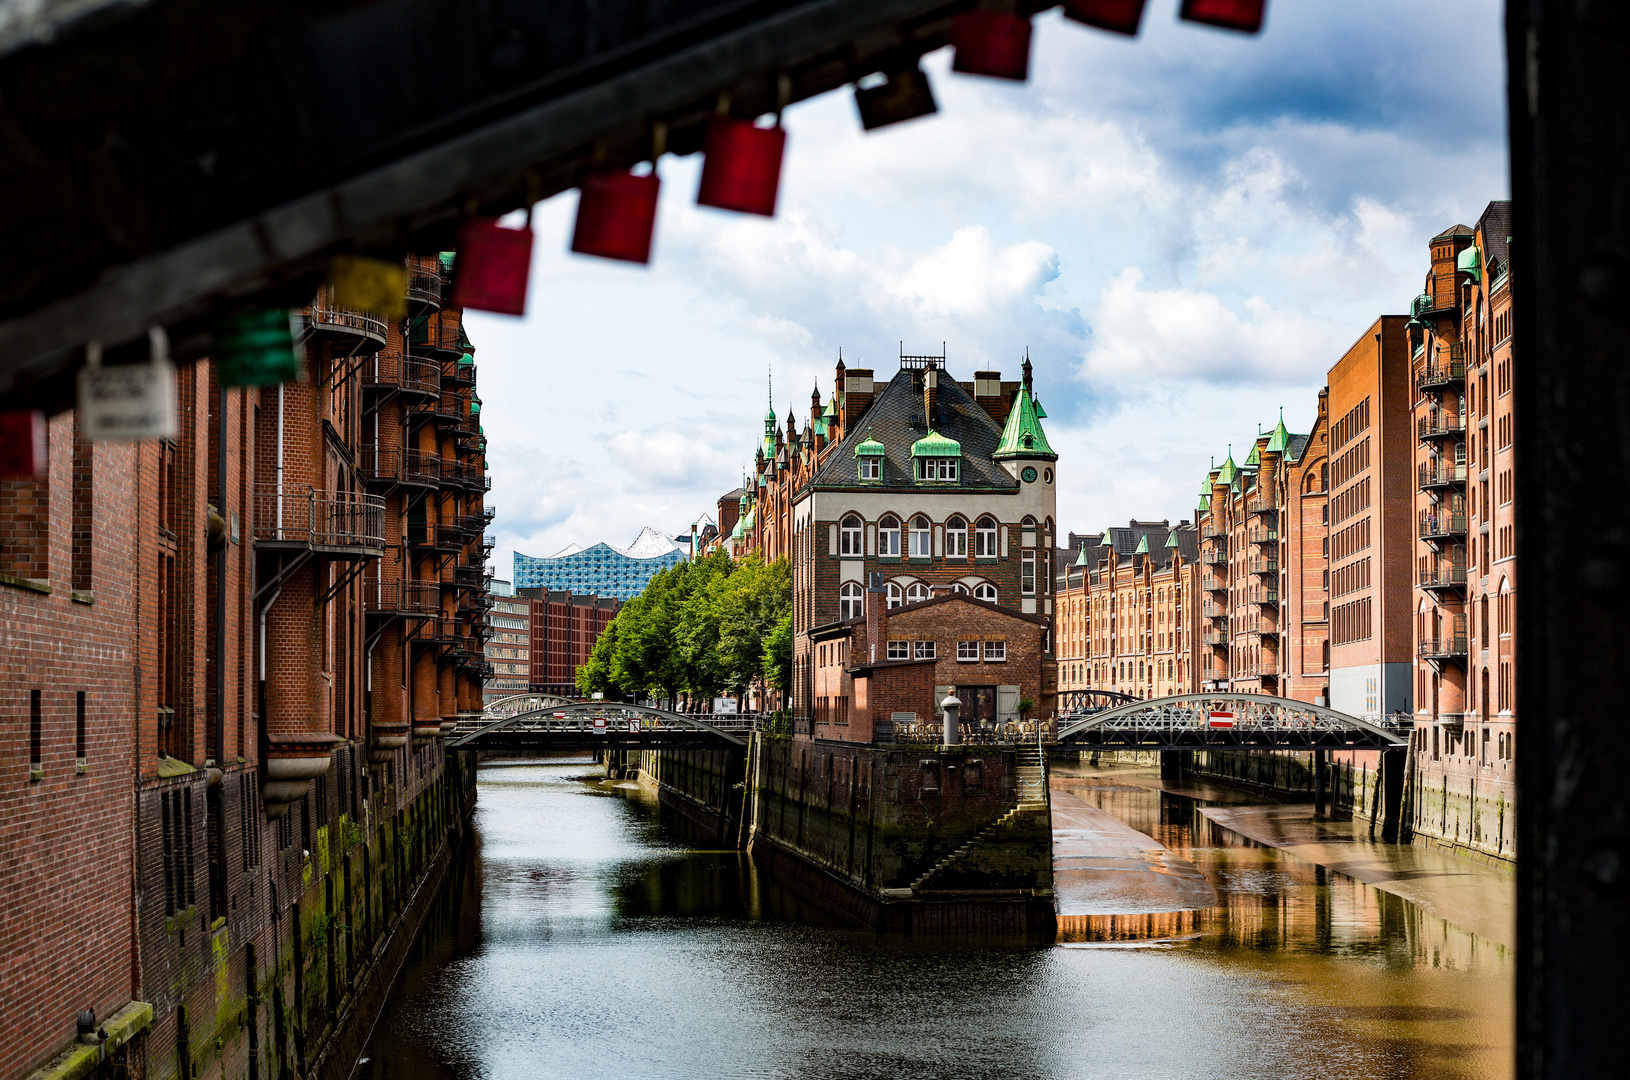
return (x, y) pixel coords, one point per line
(578, 938)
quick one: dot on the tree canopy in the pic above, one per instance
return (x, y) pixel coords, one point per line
(703, 628)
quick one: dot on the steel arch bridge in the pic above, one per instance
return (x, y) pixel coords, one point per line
(600, 725)
(1083, 701)
(516, 704)
(1225, 721)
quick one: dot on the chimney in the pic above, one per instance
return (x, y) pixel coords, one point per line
(931, 397)
(877, 617)
(857, 395)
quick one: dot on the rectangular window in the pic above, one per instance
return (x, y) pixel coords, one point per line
(995, 651)
(1027, 579)
(967, 651)
(871, 468)
(35, 728)
(937, 468)
(899, 650)
(923, 650)
(79, 726)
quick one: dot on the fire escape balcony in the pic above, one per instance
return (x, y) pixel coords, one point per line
(1217, 639)
(1439, 304)
(411, 599)
(1442, 374)
(458, 373)
(1265, 597)
(386, 467)
(1441, 526)
(1441, 425)
(1264, 535)
(446, 412)
(441, 539)
(352, 332)
(1265, 567)
(438, 335)
(470, 577)
(1214, 558)
(1214, 530)
(1216, 583)
(339, 525)
(1266, 628)
(1261, 505)
(475, 524)
(425, 284)
(1214, 610)
(1444, 577)
(1439, 475)
(1448, 649)
(420, 376)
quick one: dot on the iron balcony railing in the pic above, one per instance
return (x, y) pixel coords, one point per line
(1264, 567)
(300, 514)
(1441, 526)
(1441, 425)
(1214, 558)
(1260, 535)
(1441, 373)
(1264, 597)
(1440, 474)
(1215, 638)
(1261, 504)
(1266, 628)
(472, 577)
(1215, 611)
(425, 283)
(1216, 583)
(420, 598)
(409, 374)
(390, 464)
(455, 373)
(325, 318)
(1443, 576)
(1213, 530)
(1451, 647)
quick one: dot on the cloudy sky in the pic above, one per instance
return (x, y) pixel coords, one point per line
(1185, 230)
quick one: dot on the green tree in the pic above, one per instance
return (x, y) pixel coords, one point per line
(778, 655)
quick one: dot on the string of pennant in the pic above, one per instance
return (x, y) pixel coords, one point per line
(616, 219)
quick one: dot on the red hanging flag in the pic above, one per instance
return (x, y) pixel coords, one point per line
(741, 169)
(616, 214)
(492, 266)
(1120, 16)
(1243, 15)
(22, 444)
(995, 43)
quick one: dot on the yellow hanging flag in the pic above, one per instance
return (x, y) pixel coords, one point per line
(362, 284)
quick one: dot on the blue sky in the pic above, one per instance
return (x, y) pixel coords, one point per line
(1185, 230)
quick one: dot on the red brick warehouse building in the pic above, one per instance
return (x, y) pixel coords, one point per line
(258, 629)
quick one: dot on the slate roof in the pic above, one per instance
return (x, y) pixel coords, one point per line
(1495, 224)
(895, 419)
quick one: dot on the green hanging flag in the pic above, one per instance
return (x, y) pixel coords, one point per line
(256, 348)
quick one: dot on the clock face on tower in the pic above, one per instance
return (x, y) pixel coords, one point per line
(1029, 475)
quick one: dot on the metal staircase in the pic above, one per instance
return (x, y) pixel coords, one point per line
(1030, 775)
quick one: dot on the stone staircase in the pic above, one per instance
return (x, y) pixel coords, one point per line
(1031, 780)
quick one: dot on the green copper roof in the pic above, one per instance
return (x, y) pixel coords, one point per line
(1081, 559)
(831, 409)
(1229, 470)
(1041, 413)
(1281, 438)
(1143, 545)
(1171, 539)
(1022, 436)
(936, 445)
(1205, 504)
(467, 360)
(1470, 262)
(1254, 459)
(871, 447)
(737, 533)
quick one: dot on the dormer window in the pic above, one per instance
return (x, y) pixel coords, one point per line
(938, 468)
(869, 456)
(871, 468)
(937, 458)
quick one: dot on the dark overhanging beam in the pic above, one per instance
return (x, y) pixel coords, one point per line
(485, 167)
(1569, 107)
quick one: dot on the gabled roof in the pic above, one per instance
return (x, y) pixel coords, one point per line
(895, 420)
(1280, 439)
(1453, 232)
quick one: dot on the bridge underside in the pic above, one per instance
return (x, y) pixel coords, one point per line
(566, 742)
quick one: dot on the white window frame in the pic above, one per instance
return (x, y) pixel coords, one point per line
(1027, 575)
(922, 538)
(956, 538)
(996, 652)
(967, 652)
(942, 469)
(851, 601)
(899, 649)
(917, 592)
(985, 591)
(985, 538)
(851, 538)
(923, 650)
(871, 468)
(896, 595)
(888, 538)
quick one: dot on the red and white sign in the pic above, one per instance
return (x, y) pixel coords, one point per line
(599, 725)
(633, 727)
(1222, 719)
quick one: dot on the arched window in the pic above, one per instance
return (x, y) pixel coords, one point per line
(888, 536)
(849, 542)
(895, 596)
(956, 538)
(985, 591)
(851, 601)
(922, 538)
(916, 592)
(960, 589)
(985, 538)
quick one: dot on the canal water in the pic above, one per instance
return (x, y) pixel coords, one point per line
(578, 938)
